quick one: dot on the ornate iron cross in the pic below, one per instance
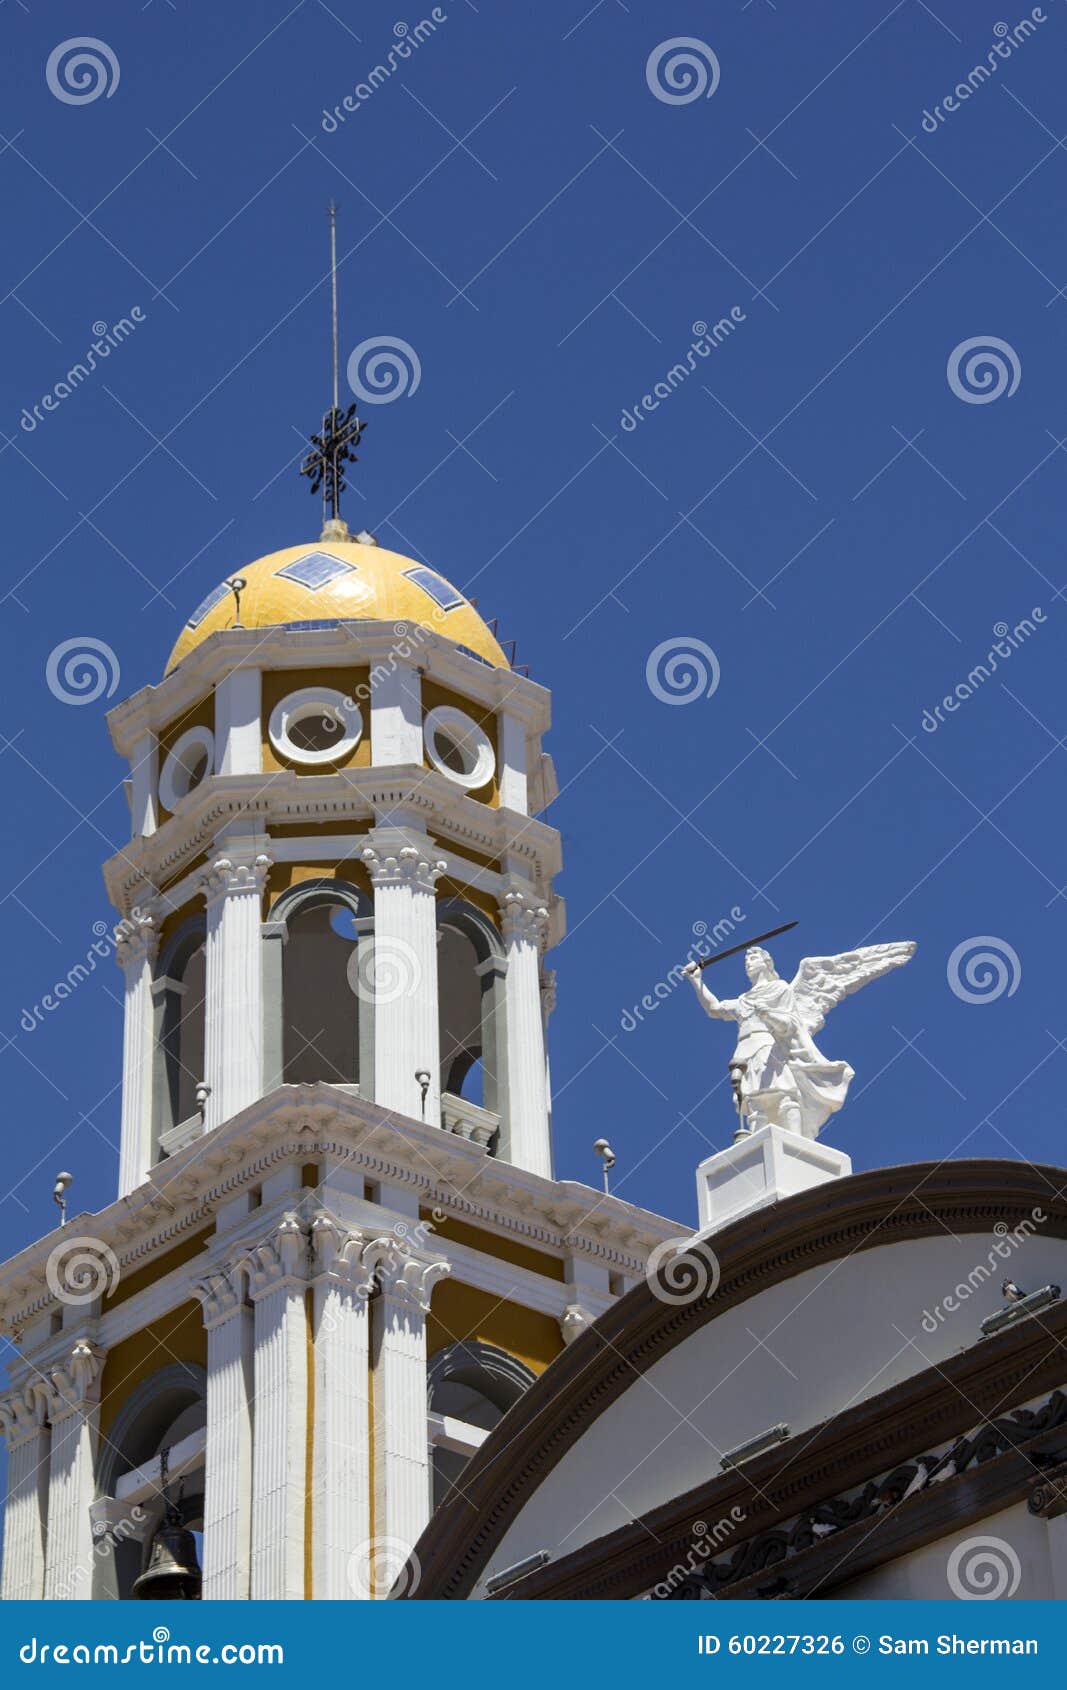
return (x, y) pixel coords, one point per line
(333, 448)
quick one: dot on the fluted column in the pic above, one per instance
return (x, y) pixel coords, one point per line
(404, 871)
(341, 1478)
(525, 922)
(278, 1281)
(233, 1033)
(22, 1417)
(136, 948)
(228, 1458)
(401, 1446)
(73, 1407)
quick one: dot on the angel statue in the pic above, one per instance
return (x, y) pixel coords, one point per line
(779, 1076)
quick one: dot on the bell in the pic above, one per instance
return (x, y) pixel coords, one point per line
(171, 1571)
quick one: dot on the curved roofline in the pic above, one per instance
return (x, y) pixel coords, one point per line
(864, 1211)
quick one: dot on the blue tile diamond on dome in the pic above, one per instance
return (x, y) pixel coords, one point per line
(441, 591)
(315, 570)
(216, 596)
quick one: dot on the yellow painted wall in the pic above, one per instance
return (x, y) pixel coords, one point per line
(491, 1244)
(199, 715)
(459, 1313)
(284, 875)
(433, 696)
(178, 1336)
(153, 1271)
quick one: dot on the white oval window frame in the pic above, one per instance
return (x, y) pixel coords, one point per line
(461, 726)
(309, 701)
(195, 738)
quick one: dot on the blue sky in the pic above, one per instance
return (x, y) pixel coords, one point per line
(816, 503)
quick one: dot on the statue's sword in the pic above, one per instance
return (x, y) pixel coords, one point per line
(720, 956)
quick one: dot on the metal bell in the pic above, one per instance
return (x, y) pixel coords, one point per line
(171, 1571)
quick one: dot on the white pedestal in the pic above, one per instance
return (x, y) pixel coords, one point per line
(761, 1168)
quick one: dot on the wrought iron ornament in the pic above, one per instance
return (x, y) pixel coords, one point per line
(334, 446)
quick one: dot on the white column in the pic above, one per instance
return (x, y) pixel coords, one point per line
(395, 714)
(402, 1480)
(278, 1284)
(22, 1416)
(525, 923)
(233, 1033)
(144, 786)
(341, 1478)
(73, 1409)
(138, 942)
(238, 731)
(404, 870)
(513, 773)
(228, 1450)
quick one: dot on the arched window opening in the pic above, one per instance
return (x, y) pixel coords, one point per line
(167, 1412)
(320, 1031)
(460, 1001)
(471, 1386)
(181, 983)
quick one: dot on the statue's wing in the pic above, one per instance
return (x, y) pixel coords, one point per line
(822, 981)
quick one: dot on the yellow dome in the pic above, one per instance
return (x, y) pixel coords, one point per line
(340, 581)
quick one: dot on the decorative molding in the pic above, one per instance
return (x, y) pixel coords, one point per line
(281, 1260)
(221, 1292)
(22, 1414)
(338, 1254)
(137, 938)
(402, 1277)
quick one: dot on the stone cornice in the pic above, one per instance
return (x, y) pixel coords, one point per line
(285, 798)
(297, 1124)
(351, 645)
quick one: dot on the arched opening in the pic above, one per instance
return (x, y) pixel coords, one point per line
(168, 1411)
(180, 989)
(321, 987)
(470, 1387)
(470, 975)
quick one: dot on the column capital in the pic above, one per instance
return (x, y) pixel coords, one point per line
(337, 1256)
(22, 1413)
(393, 858)
(234, 875)
(71, 1387)
(137, 937)
(220, 1292)
(401, 1276)
(524, 915)
(279, 1260)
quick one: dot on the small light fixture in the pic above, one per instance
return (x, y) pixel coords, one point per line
(422, 1080)
(607, 1156)
(202, 1093)
(59, 1195)
(752, 1447)
(237, 585)
(512, 1575)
